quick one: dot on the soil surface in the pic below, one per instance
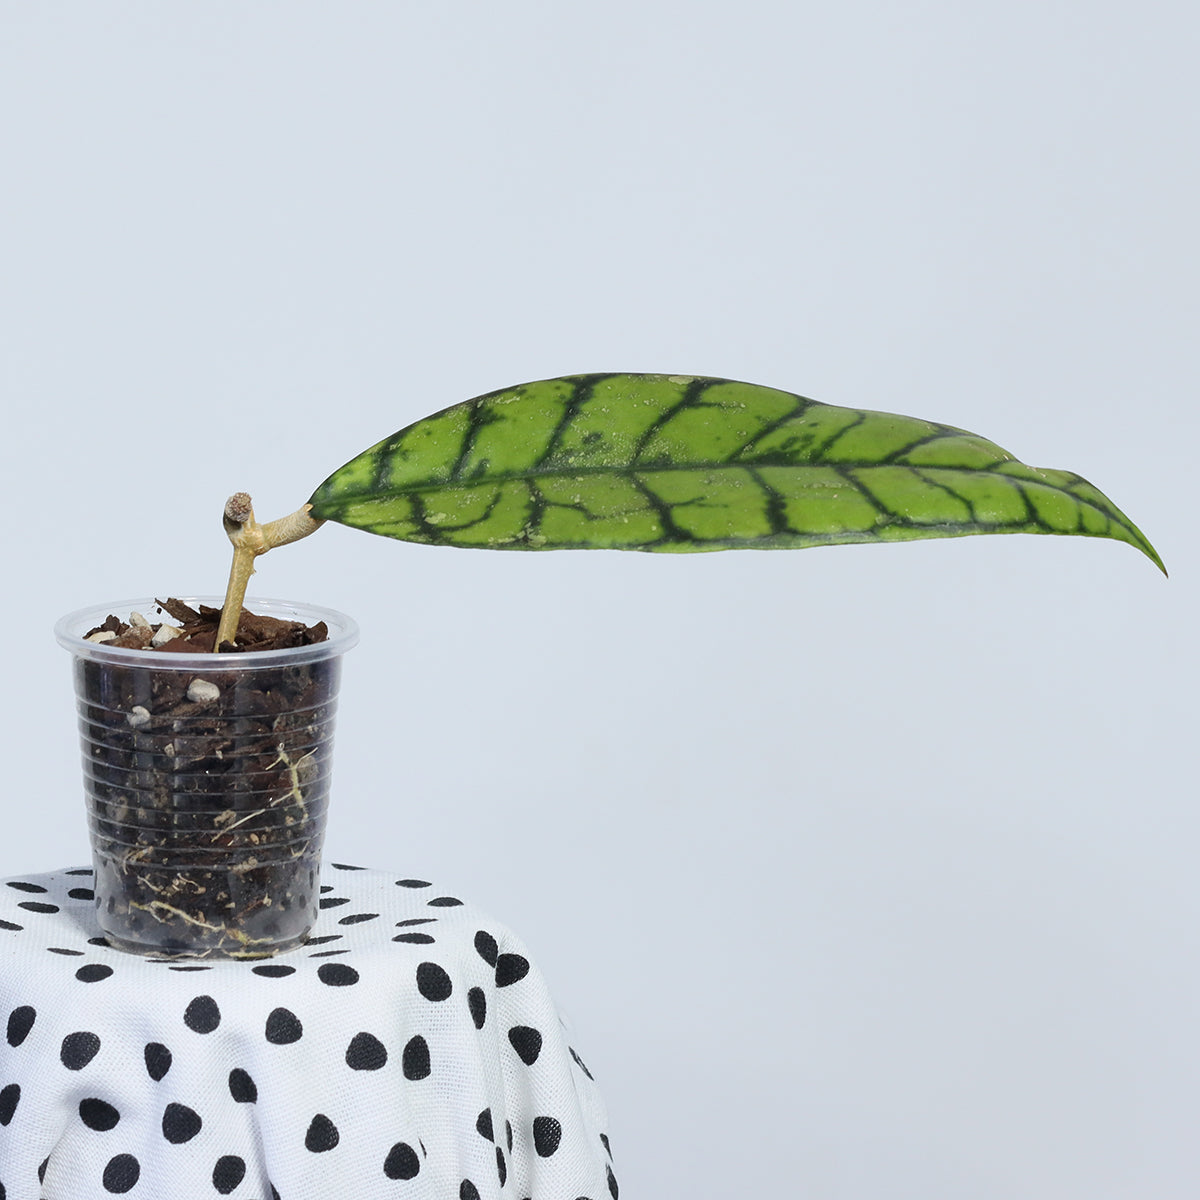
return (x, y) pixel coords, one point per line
(197, 630)
(207, 789)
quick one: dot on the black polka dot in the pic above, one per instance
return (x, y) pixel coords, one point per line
(9, 1096)
(189, 968)
(93, 973)
(477, 1003)
(358, 918)
(485, 944)
(402, 1162)
(417, 921)
(64, 950)
(122, 1173)
(526, 1042)
(11, 925)
(612, 1182)
(321, 941)
(274, 1193)
(467, 1191)
(82, 894)
(78, 1049)
(328, 953)
(511, 968)
(413, 883)
(283, 1027)
(98, 1114)
(337, 974)
(42, 1169)
(158, 1060)
(79, 871)
(508, 1135)
(483, 1125)
(242, 1087)
(274, 970)
(202, 1015)
(416, 939)
(180, 1124)
(326, 887)
(607, 1147)
(432, 982)
(99, 941)
(20, 1022)
(322, 1135)
(333, 901)
(444, 902)
(346, 867)
(38, 906)
(416, 1058)
(547, 1133)
(367, 1053)
(501, 1166)
(21, 886)
(229, 1171)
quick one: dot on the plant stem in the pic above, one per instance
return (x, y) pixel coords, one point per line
(250, 539)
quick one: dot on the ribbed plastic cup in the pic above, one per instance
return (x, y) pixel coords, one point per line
(206, 805)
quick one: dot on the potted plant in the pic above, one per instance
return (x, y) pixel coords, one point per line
(208, 776)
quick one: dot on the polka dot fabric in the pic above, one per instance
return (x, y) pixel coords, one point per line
(410, 1049)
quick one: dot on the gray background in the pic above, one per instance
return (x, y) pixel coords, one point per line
(863, 874)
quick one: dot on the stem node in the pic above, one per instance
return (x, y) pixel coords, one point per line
(250, 539)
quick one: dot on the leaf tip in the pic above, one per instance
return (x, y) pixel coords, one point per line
(1140, 542)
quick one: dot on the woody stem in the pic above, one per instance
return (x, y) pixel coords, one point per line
(250, 539)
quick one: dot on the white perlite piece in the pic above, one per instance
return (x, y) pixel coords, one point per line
(138, 621)
(102, 635)
(138, 716)
(200, 691)
(165, 634)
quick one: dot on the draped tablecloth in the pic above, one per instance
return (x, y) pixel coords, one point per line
(410, 1049)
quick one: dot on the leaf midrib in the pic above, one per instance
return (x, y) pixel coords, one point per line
(485, 479)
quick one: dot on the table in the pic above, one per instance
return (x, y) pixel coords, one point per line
(410, 1049)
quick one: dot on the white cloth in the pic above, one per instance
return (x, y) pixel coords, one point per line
(410, 1049)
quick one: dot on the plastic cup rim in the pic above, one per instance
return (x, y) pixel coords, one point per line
(343, 635)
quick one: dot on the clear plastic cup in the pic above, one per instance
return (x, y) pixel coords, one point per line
(206, 812)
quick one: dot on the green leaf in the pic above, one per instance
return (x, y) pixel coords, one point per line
(670, 462)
